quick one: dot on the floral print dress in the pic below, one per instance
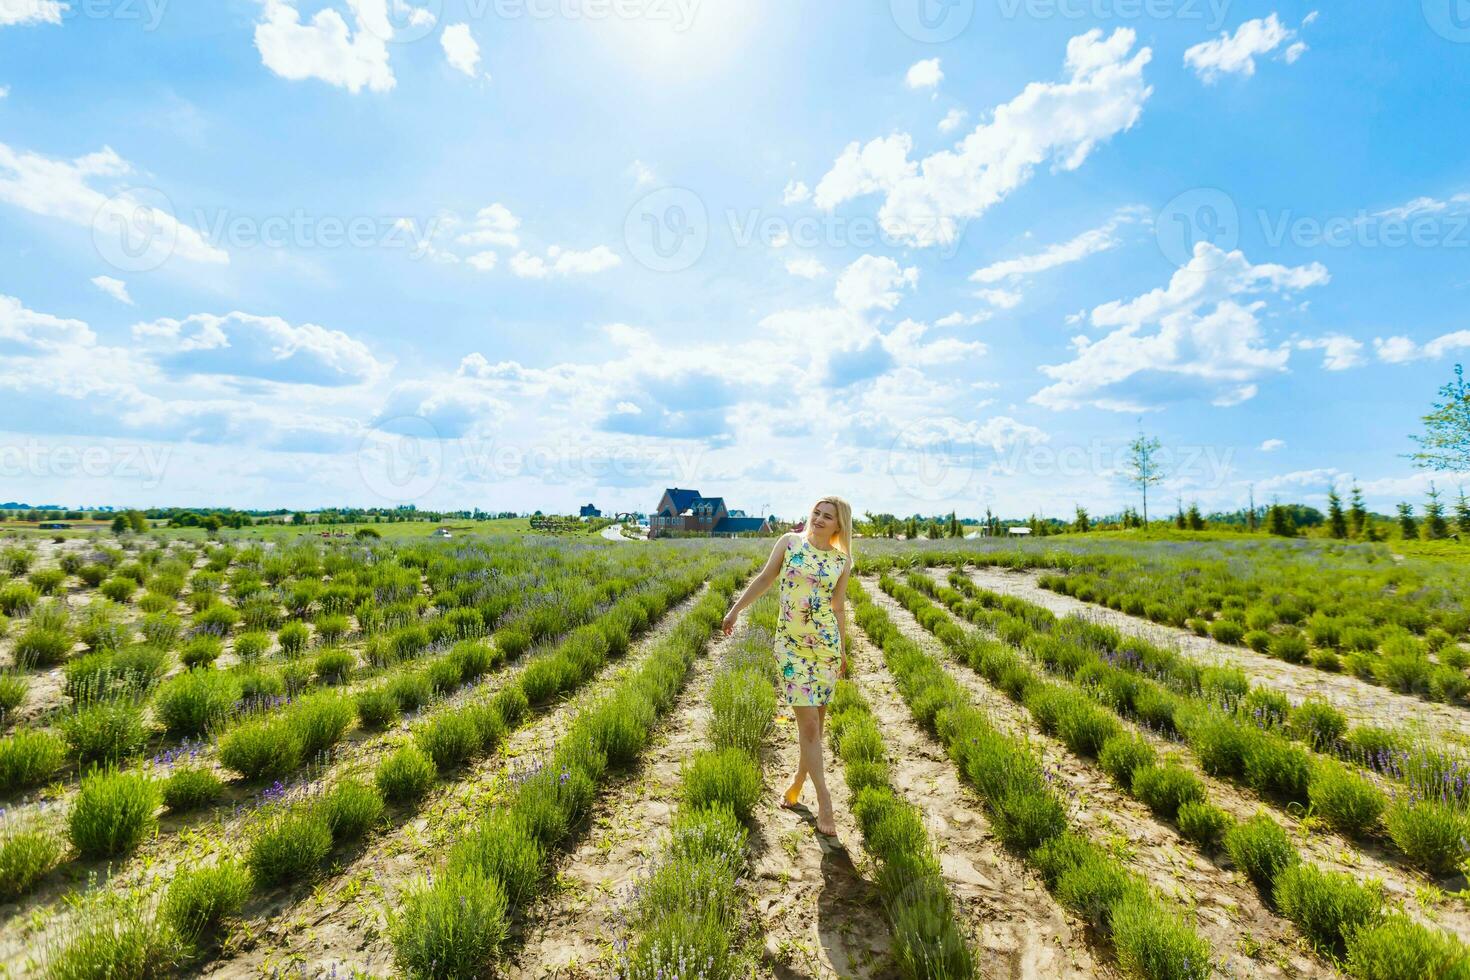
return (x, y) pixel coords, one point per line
(808, 644)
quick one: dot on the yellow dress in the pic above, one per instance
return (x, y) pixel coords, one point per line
(808, 644)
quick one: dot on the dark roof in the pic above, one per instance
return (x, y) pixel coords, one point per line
(736, 524)
(713, 503)
(681, 499)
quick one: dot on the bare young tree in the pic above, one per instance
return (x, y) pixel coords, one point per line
(1144, 470)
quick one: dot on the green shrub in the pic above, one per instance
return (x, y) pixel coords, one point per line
(1369, 743)
(450, 739)
(1265, 707)
(26, 856)
(201, 650)
(332, 628)
(1349, 803)
(1432, 835)
(742, 707)
(1165, 788)
(1274, 765)
(1329, 907)
(500, 848)
(261, 749)
(722, 777)
(118, 589)
(107, 731)
(293, 638)
(29, 758)
(319, 720)
(1290, 647)
(41, 646)
(452, 927)
(113, 813)
(334, 666)
(376, 708)
(162, 630)
(1448, 684)
(199, 899)
(1261, 849)
(16, 598)
(1227, 631)
(1318, 723)
(352, 808)
(290, 845)
(114, 938)
(1203, 823)
(250, 647)
(411, 690)
(1153, 942)
(1398, 948)
(1325, 659)
(406, 775)
(1258, 640)
(1123, 754)
(1026, 818)
(13, 691)
(191, 787)
(195, 702)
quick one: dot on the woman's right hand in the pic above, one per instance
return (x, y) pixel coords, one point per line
(729, 624)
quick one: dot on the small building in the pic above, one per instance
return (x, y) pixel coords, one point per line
(1018, 531)
(690, 511)
(442, 532)
(589, 510)
(53, 526)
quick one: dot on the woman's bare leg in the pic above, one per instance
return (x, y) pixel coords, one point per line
(809, 731)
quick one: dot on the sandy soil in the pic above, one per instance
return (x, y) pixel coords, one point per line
(1248, 938)
(1362, 702)
(1019, 931)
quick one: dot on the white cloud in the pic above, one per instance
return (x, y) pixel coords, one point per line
(1271, 445)
(1294, 52)
(28, 330)
(958, 319)
(563, 262)
(493, 226)
(1004, 299)
(115, 288)
(461, 49)
(1339, 353)
(806, 268)
(874, 282)
(952, 120)
(1236, 54)
(924, 74)
(1208, 341)
(1088, 243)
(904, 343)
(1061, 122)
(63, 190)
(4, 91)
(1400, 350)
(326, 48)
(18, 12)
(264, 347)
(483, 261)
(1425, 206)
(795, 193)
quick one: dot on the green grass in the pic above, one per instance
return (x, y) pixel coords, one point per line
(406, 775)
(290, 845)
(27, 854)
(113, 813)
(722, 777)
(1261, 850)
(190, 788)
(198, 900)
(451, 928)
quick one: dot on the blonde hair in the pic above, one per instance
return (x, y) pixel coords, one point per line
(842, 537)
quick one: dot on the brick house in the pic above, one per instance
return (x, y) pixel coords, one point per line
(689, 511)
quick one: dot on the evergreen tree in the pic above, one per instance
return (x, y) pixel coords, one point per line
(1435, 526)
(1408, 527)
(1179, 520)
(1251, 522)
(935, 530)
(1462, 515)
(1083, 523)
(1278, 521)
(1357, 513)
(911, 529)
(1195, 519)
(955, 529)
(1337, 524)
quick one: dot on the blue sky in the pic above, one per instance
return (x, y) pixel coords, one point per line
(529, 253)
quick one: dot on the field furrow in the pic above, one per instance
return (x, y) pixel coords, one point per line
(1246, 935)
(1362, 702)
(1019, 929)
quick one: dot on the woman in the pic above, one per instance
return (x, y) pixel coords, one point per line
(811, 633)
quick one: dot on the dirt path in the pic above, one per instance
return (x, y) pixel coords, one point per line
(1248, 939)
(570, 933)
(1019, 930)
(1362, 702)
(341, 926)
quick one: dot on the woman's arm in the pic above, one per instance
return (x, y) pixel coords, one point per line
(759, 584)
(839, 608)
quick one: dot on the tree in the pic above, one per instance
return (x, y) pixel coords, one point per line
(138, 522)
(1408, 527)
(1445, 444)
(1462, 515)
(119, 524)
(1337, 524)
(1251, 518)
(1194, 518)
(1357, 513)
(1279, 522)
(955, 530)
(1435, 526)
(1142, 467)
(935, 531)
(1179, 520)
(911, 529)
(1082, 524)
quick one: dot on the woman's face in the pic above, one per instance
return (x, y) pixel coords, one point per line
(824, 518)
